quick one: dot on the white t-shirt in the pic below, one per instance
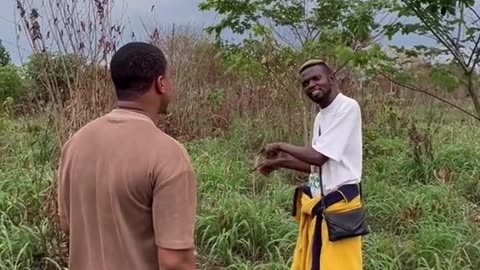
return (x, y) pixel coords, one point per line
(338, 135)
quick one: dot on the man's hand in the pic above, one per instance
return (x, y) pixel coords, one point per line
(305, 154)
(268, 166)
(272, 150)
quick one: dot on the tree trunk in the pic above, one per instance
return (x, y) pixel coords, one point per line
(473, 94)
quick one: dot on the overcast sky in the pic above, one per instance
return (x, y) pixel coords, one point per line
(166, 12)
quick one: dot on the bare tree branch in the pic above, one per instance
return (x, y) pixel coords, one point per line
(473, 57)
(474, 12)
(444, 40)
(428, 93)
(278, 35)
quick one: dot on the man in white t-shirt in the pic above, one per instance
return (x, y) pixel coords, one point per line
(335, 154)
(337, 134)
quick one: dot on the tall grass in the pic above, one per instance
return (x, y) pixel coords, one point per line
(27, 238)
(419, 221)
(417, 224)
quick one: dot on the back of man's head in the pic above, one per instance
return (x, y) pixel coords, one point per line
(135, 67)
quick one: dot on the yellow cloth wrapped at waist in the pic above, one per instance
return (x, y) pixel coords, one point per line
(313, 250)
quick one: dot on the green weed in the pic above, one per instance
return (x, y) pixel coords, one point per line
(423, 210)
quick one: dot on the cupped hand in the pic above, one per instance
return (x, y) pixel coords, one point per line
(272, 150)
(268, 166)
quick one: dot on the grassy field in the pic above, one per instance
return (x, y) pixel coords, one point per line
(422, 191)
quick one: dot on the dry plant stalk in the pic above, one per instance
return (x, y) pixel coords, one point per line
(72, 41)
(78, 36)
(195, 68)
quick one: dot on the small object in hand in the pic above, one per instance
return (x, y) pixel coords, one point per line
(272, 150)
(258, 163)
(261, 162)
(267, 167)
(270, 153)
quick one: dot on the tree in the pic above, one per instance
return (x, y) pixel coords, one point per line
(298, 22)
(4, 55)
(11, 84)
(348, 31)
(281, 34)
(455, 26)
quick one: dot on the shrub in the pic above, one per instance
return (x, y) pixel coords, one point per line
(11, 83)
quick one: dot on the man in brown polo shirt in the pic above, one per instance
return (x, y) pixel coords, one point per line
(126, 190)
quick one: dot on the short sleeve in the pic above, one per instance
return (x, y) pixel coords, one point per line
(175, 201)
(333, 140)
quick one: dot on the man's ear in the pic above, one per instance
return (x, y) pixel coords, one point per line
(160, 85)
(332, 76)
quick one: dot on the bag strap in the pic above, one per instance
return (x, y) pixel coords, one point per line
(318, 168)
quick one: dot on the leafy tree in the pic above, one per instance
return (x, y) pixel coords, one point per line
(4, 56)
(279, 35)
(296, 23)
(45, 70)
(455, 26)
(11, 83)
(347, 31)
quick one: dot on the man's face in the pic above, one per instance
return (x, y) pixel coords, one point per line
(316, 83)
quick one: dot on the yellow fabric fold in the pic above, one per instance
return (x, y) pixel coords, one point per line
(340, 255)
(302, 258)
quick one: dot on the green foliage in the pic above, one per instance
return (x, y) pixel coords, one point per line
(47, 71)
(444, 79)
(346, 21)
(439, 7)
(370, 56)
(421, 187)
(4, 56)
(244, 59)
(26, 148)
(346, 54)
(454, 24)
(216, 97)
(284, 34)
(11, 83)
(419, 221)
(342, 31)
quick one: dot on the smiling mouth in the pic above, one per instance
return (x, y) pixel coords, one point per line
(316, 93)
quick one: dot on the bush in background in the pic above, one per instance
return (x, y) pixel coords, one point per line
(12, 85)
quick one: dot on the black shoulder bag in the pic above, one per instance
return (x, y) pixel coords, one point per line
(347, 224)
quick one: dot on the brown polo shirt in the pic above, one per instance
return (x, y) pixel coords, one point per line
(125, 188)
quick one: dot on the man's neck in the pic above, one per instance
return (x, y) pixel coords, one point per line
(333, 94)
(138, 108)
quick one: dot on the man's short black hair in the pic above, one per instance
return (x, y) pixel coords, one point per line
(134, 67)
(315, 62)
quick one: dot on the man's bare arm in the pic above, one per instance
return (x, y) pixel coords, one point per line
(305, 154)
(287, 162)
(169, 259)
(294, 164)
